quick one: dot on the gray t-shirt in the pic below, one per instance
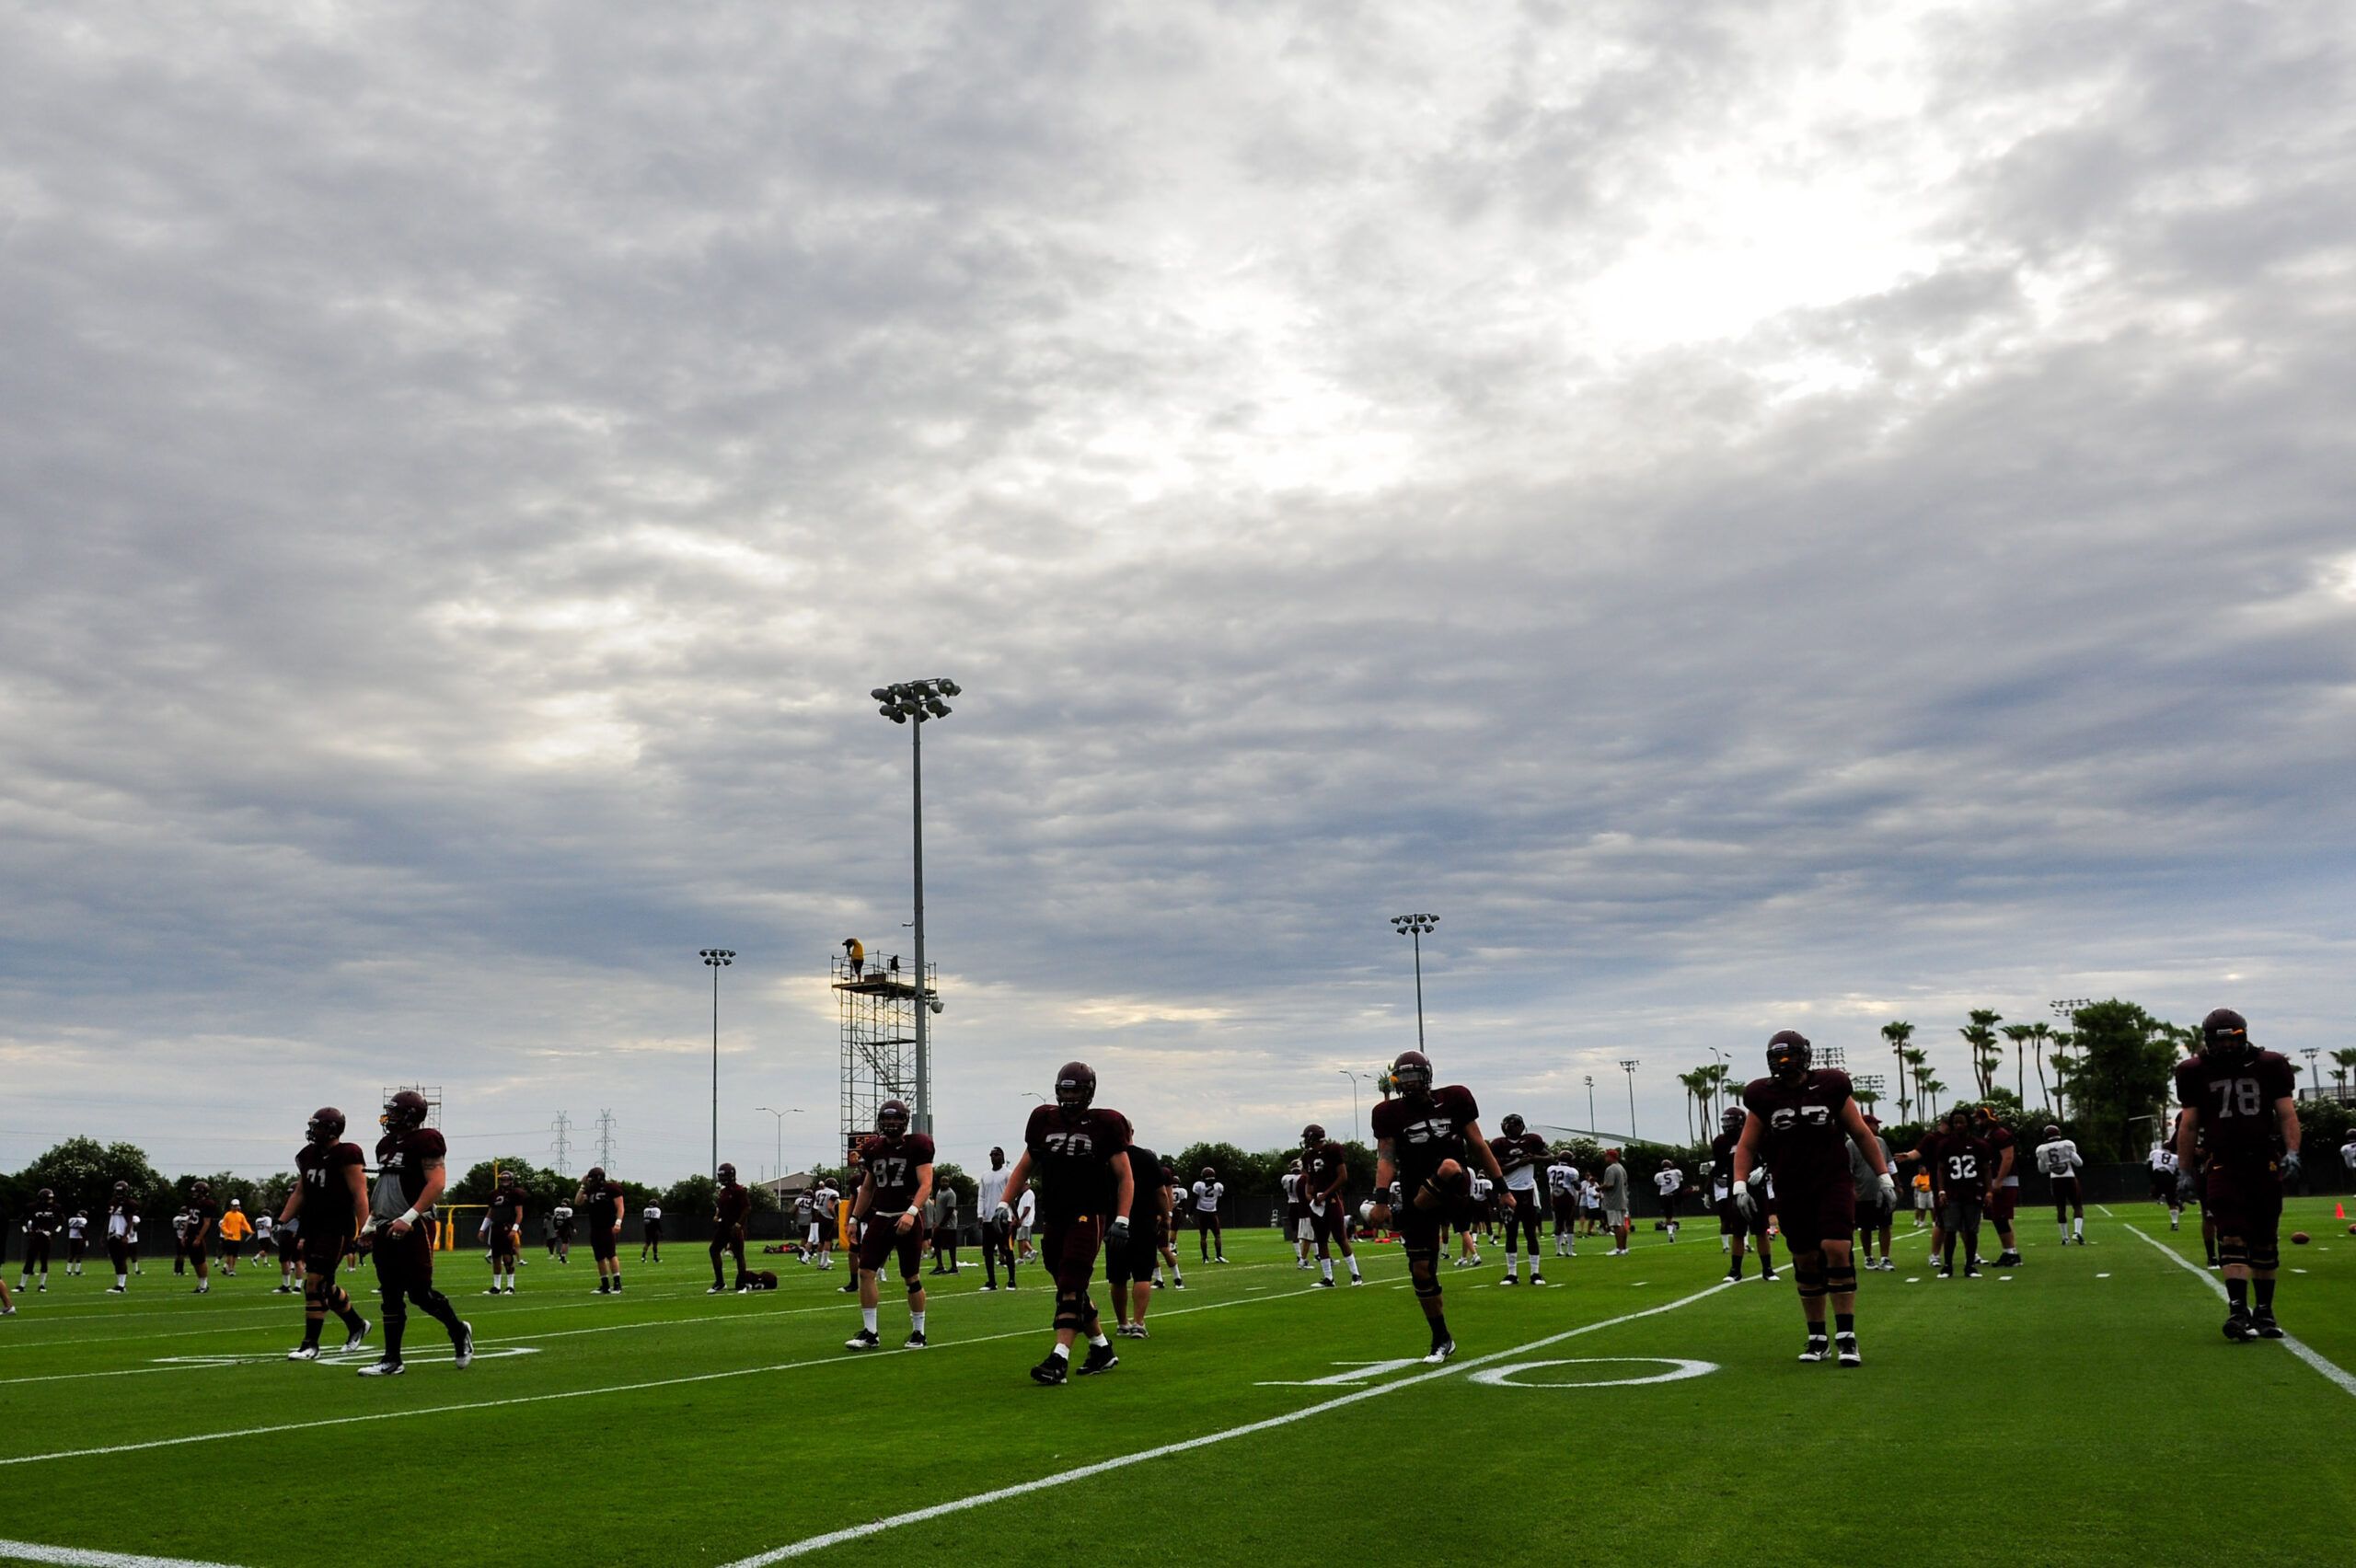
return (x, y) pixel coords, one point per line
(1615, 1186)
(1861, 1170)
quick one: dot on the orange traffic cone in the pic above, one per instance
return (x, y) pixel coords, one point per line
(2339, 1211)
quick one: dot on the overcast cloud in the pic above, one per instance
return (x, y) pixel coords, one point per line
(1757, 515)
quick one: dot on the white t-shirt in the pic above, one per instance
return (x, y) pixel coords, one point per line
(2348, 1154)
(1590, 1195)
(2163, 1158)
(2059, 1158)
(76, 1224)
(1292, 1187)
(1207, 1194)
(1667, 1182)
(1026, 1208)
(990, 1186)
(262, 1223)
(650, 1213)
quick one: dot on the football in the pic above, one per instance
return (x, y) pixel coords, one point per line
(2298, 1238)
(2352, 1230)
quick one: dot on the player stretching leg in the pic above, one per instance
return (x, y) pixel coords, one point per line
(1518, 1152)
(1425, 1141)
(1325, 1180)
(2238, 1100)
(729, 1205)
(895, 1178)
(327, 1208)
(2058, 1157)
(411, 1174)
(1800, 1121)
(1081, 1149)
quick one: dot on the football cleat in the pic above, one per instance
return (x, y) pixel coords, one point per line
(715, 1290)
(304, 1352)
(1818, 1348)
(1324, 1285)
(1440, 1352)
(463, 1347)
(351, 1339)
(914, 1339)
(1176, 1285)
(494, 1290)
(866, 1339)
(1537, 1279)
(1970, 1273)
(2239, 1326)
(2008, 1260)
(1049, 1373)
(383, 1369)
(992, 1287)
(116, 1290)
(2263, 1322)
(1510, 1280)
(1946, 1273)
(1848, 1351)
(1100, 1358)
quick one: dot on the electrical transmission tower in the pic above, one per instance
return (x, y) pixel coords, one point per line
(563, 1128)
(605, 1139)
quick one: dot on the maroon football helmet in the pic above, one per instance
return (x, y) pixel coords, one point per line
(404, 1110)
(1411, 1073)
(325, 1126)
(1312, 1136)
(892, 1119)
(1789, 1053)
(1075, 1090)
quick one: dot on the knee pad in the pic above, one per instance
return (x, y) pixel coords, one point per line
(1810, 1275)
(2232, 1249)
(1069, 1305)
(913, 1283)
(316, 1298)
(1427, 1283)
(396, 1307)
(1840, 1279)
(2267, 1255)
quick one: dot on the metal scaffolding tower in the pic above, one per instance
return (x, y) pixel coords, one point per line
(432, 1099)
(877, 1005)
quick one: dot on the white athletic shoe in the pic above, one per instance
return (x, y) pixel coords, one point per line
(304, 1352)
(1440, 1353)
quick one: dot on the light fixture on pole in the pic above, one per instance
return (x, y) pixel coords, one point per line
(2315, 1074)
(716, 959)
(1723, 1079)
(1629, 1066)
(1590, 1102)
(922, 701)
(1353, 1098)
(1414, 927)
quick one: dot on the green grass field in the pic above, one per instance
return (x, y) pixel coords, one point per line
(2084, 1411)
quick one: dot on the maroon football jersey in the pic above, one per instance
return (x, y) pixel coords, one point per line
(601, 1204)
(1515, 1152)
(1960, 1166)
(733, 1203)
(1075, 1160)
(890, 1165)
(1722, 1159)
(403, 1156)
(2236, 1103)
(1318, 1166)
(1805, 1144)
(1424, 1132)
(1998, 1138)
(202, 1212)
(327, 1191)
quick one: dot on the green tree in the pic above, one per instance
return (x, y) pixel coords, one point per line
(82, 1172)
(2124, 1055)
(1898, 1031)
(1981, 1035)
(2342, 1064)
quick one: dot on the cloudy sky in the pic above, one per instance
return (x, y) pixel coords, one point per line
(1757, 515)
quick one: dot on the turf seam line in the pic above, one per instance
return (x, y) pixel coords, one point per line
(839, 1359)
(2297, 1347)
(1020, 1489)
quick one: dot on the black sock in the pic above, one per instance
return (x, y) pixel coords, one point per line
(395, 1328)
(1844, 1323)
(1736, 1271)
(1816, 1331)
(311, 1327)
(1440, 1335)
(2265, 1294)
(2237, 1292)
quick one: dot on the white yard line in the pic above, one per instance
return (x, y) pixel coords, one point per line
(80, 1557)
(2322, 1364)
(839, 1359)
(918, 1515)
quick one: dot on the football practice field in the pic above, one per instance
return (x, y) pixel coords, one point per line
(2081, 1409)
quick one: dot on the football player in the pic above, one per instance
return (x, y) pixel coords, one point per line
(2164, 1189)
(120, 1222)
(1959, 1162)
(2241, 1102)
(504, 1238)
(1874, 1218)
(1669, 1182)
(1128, 1269)
(1296, 1215)
(896, 1167)
(1615, 1188)
(1518, 1151)
(1209, 1190)
(602, 1203)
(998, 1240)
(328, 1207)
(40, 1227)
(2058, 1157)
(1563, 1188)
(411, 1174)
(203, 1215)
(1427, 1142)
(1325, 1180)
(286, 1235)
(1080, 1150)
(77, 1240)
(1798, 1118)
(731, 1204)
(650, 1233)
(1170, 1224)
(1736, 1228)
(826, 1206)
(2003, 1180)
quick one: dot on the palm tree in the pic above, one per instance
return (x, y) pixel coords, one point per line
(1896, 1031)
(2063, 1063)
(2018, 1033)
(2342, 1064)
(1918, 1062)
(1931, 1089)
(1981, 1038)
(1697, 1089)
(2040, 1032)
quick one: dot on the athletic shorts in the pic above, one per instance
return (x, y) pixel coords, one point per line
(2065, 1193)
(1813, 1216)
(502, 1244)
(1873, 1213)
(1960, 1214)
(1567, 1214)
(1730, 1221)
(323, 1255)
(2245, 1202)
(1921, 1200)
(1134, 1260)
(601, 1243)
(1668, 1204)
(2003, 1203)
(1613, 1218)
(1068, 1248)
(883, 1237)
(1207, 1219)
(1330, 1226)
(2164, 1185)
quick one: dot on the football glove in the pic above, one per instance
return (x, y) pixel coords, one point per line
(1117, 1233)
(2183, 1187)
(1002, 1215)
(2290, 1166)
(1744, 1203)
(1889, 1188)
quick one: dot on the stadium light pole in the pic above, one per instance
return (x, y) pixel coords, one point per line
(1370, 1078)
(2066, 1009)
(1726, 1061)
(1590, 1104)
(1414, 927)
(922, 701)
(715, 960)
(2315, 1074)
(1629, 1066)
(781, 1115)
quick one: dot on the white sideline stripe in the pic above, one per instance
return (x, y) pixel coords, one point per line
(839, 1359)
(81, 1557)
(2320, 1363)
(1022, 1488)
